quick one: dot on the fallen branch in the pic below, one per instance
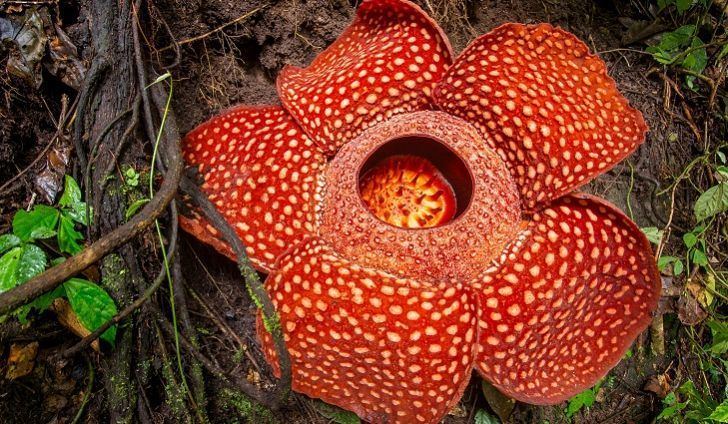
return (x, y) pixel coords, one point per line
(252, 280)
(56, 275)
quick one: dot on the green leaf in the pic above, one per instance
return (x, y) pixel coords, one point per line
(698, 257)
(9, 263)
(719, 331)
(664, 261)
(683, 5)
(39, 223)
(720, 413)
(92, 305)
(33, 261)
(697, 59)
(71, 193)
(712, 202)
(671, 411)
(336, 414)
(482, 417)
(690, 239)
(654, 235)
(71, 202)
(8, 241)
(134, 207)
(68, 237)
(677, 267)
(583, 399)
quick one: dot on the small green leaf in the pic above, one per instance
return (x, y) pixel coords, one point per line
(583, 399)
(690, 239)
(71, 193)
(664, 261)
(92, 305)
(698, 257)
(677, 267)
(8, 241)
(719, 331)
(671, 411)
(336, 414)
(71, 203)
(39, 223)
(482, 417)
(712, 202)
(683, 5)
(134, 207)
(9, 263)
(654, 235)
(697, 59)
(68, 237)
(720, 413)
(33, 261)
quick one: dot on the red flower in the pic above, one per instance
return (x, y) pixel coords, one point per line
(415, 218)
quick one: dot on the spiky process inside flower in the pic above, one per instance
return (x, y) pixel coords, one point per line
(409, 192)
(415, 215)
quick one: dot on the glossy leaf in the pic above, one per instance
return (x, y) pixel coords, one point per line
(68, 237)
(8, 268)
(92, 305)
(8, 241)
(39, 223)
(33, 261)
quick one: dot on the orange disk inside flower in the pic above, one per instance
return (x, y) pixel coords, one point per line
(408, 192)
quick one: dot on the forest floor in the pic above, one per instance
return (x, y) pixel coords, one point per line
(231, 52)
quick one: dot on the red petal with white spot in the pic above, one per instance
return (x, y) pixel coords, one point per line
(392, 350)
(385, 63)
(573, 292)
(545, 104)
(260, 170)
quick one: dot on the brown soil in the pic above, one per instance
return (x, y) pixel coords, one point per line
(239, 65)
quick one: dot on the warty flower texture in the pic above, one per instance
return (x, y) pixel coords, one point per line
(416, 217)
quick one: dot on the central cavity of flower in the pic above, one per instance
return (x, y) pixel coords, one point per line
(414, 182)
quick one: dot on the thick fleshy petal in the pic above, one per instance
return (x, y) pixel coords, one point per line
(385, 63)
(545, 104)
(392, 350)
(572, 293)
(260, 170)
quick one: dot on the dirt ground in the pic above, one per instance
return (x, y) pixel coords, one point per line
(239, 65)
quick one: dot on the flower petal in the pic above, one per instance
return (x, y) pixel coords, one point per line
(385, 63)
(575, 289)
(260, 170)
(545, 104)
(389, 349)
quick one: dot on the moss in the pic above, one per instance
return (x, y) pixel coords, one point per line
(248, 409)
(121, 391)
(175, 395)
(115, 274)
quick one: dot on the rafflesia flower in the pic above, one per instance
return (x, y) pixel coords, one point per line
(415, 215)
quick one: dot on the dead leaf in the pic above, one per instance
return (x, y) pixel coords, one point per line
(68, 319)
(21, 360)
(458, 411)
(64, 62)
(253, 377)
(689, 311)
(659, 385)
(501, 404)
(27, 35)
